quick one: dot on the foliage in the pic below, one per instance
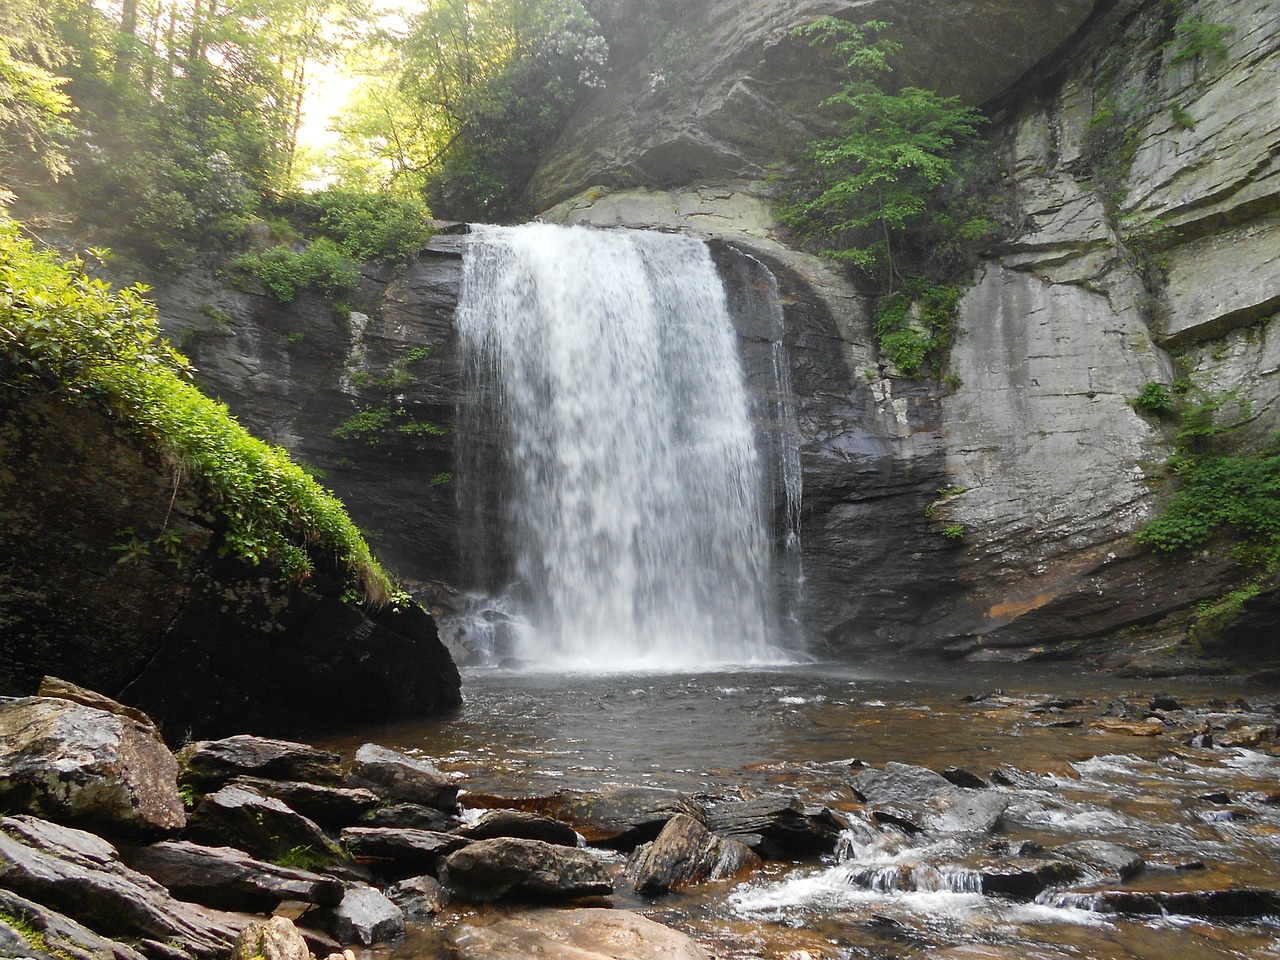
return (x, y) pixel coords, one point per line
(1155, 399)
(366, 426)
(914, 325)
(302, 858)
(1197, 39)
(25, 927)
(34, 113)
(62, 329)
(1224, 484)
(953, 531)
(373, 226)
(320, 266)
(861, 194)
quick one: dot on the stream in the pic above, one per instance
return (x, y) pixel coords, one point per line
(1076, 757)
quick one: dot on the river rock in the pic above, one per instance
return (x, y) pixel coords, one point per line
(402, 777)
(1237, 904)
(583, 934)
(1024, 878)
(419, 898)
(686, 853)
(81, 876)
(63, 937)
(208, 764)
(928, 800)
(273, 939)
(520, 824)
(262, 826)
(399, 851)
(776, 826)
(365, 917)
(327, 806)
(622, 818)
(81, 764)
(229, 879)
(412, 815)
(512, 869)
(1108, 859)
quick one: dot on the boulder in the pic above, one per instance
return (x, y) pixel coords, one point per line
(686, 853)
(61, 689)
(622, 818)
(776, 826)
(400, 852)
(262, 826)
(365, 917)
(929, 801)
(511, 869)
(521, 824)
(1107, 859)
(208, 764)
(327, 806)
(419, 898)
(81, 876)
(584, 934)
(81, 764)
(1237, 904)
(402, 777)
(411, 815)
(63, 937)
(226, 878)
(1024, 878)
(273, 939)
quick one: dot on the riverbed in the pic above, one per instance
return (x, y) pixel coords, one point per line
(1078, 757)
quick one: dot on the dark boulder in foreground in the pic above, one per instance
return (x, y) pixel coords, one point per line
(209, 646)
(509, 869)
(365, 916)
(775, 826)
(401, 777)
(211, 763)
(262, 826)
(63, 937)
(686, 853)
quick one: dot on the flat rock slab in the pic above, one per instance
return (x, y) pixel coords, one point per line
(1239, 904)
(686, 853)
(80, 764)
(408, 851)
(512, 869)
(229, 879)
(586, 934)
(920, 799)
(64, 937)
(401, 777)
(411, 815)
(327, 806)
(776, 826)
(208, 764)
(81, 876)
(521, 824)
(1108, 859)
(262, 826)
(622, 818)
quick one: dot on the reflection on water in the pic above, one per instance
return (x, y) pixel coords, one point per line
(805, 729)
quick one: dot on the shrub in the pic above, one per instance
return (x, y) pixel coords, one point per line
(374, 226)
(1154, 399)
(320, 266)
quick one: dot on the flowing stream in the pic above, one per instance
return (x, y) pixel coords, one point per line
(608, 468)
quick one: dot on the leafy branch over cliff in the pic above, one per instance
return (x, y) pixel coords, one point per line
(63, 330)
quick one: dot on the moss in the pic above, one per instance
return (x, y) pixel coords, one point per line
(66, 331)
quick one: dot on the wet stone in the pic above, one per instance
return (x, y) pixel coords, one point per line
(327, 806)
(208, 764)
(520, 824)
(365, 917)
(411, 815)
(776, 826)
(419, 898)
(511, 869)
(262, 826)
(400, 852)
(401, 777)
(687, 853)
(1107, 859)
(1023, 879)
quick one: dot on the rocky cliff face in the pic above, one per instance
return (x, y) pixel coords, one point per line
(1172, 269)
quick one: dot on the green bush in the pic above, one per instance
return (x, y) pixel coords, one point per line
(914, 325)
(1154, 399)
(285, 273)
(62, 329)
(373, 226)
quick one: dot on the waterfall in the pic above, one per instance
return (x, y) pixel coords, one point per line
(607, 470)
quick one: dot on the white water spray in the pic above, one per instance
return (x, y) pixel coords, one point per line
(625, 487)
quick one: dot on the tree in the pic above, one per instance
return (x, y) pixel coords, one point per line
(861, 193)
(34, 109)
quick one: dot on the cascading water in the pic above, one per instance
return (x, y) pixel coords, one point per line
(621, 483)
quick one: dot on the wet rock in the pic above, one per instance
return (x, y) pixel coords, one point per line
(1203, 741)
(230, 879)
(776, 826)
(1164, 703)
(521, 824)
(686, 853)
(511, 869)
(1007, 776)
(1025, 879)
(419, 898)
(411, 815)
(81, 764)
(262, 826)
(208, 764)
(327, 806)
(401, 777)
(1208, 904)
(81, 876)
(964, 778)
(583, 934)
(273, 939)
(1246, 736)
(63, 937)
(365, 917)
(900, 783)
(1148, 727)
(1108, 859)
(400, 851)
(622, 818)
(928, 800)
